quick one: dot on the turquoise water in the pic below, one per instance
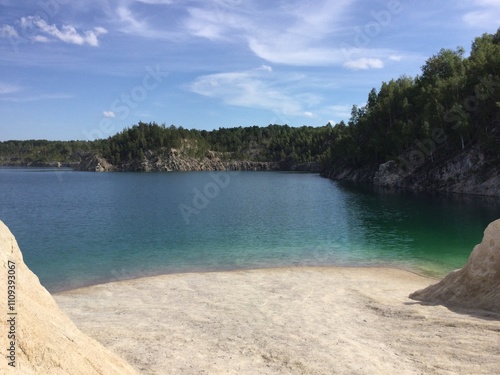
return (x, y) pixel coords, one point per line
(79, 228)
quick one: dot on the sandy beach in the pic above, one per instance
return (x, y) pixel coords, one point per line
(285, 321)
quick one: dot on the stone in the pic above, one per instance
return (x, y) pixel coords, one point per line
(477, 284)
(46, 340)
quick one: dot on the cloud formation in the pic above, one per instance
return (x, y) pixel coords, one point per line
(292, 33)
(256, 88)
(37, 29)
(364, 63)
(109, 114)
(295, 34)
(130, 22)
(7, 31)
(486, 15)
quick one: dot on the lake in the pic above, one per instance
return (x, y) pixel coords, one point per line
(82, 228)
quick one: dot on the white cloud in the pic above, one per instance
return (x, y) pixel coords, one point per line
(293, 34)
(257, 88)
(41, 31)
(40, 39)
(364, 63)
(67, 33)
(216, 22)
(395, 58)
(486, 17)
(130, 23)
(307, 38)
(109, 114)
(282, 53)
(7, 31)
(308, 114)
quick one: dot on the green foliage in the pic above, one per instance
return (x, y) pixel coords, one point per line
(280, 143)
(42, 151)
(454, 94)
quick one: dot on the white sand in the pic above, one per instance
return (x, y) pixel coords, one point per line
(285, 321)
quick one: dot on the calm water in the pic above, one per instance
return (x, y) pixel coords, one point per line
(78, 228)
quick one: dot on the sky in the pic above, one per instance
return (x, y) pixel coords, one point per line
(82, 70)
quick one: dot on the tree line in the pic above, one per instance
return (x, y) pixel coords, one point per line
(452, 105)
(280, 143)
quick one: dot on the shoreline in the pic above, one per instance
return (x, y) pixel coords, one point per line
(382, 266)
(304, 320)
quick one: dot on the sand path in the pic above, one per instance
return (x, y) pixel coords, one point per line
(285, 321)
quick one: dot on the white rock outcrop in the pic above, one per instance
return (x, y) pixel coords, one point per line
(477, 284)
(46, 340)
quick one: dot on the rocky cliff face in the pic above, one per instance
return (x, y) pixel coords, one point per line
(176, 160)
(469, 172)
(477, 285)
(40, 338)
(94, 163)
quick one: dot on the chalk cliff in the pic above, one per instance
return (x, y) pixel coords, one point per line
(477, 284)
(46, 340)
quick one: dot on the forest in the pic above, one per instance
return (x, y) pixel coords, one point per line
(454, 104)
(272, 143)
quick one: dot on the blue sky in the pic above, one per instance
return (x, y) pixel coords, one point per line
(88, 69)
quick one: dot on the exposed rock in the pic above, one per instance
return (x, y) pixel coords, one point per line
(178, 160)
(389, 174)
(315, 167)
(344, 172)
(46, 340)
(467, 172)
(94, 163)
(477, 285)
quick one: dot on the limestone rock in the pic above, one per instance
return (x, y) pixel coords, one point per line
(47, 341)
(94, 163)
(477, 284)
(468, 172)
(389, 174)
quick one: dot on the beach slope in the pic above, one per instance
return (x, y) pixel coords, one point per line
(285, 321)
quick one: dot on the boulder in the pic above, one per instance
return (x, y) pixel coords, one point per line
(477, 284)
(43, 340)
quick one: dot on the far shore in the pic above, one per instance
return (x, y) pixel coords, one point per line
(295, 320)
